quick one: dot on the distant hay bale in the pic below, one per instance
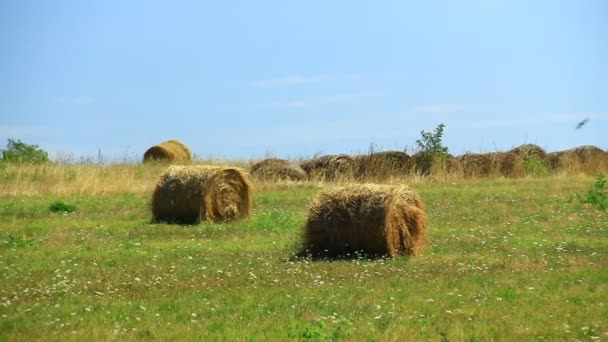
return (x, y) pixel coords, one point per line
(530, 150)
(555, 160)
(277, 169)
(382, 164)
(190, 194)
(506, 164)
(475, 165)
(169, 151)
(375, 220)
(330, 167)
(585, 159)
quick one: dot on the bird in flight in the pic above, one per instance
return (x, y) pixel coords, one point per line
(582, 123)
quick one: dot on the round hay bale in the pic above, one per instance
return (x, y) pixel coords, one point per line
(586, 159)
(506, 164)
(530, 151)
(382, 164)
(475, 165)
(168, 151)
(375, 220)
(277, 169)
(453, 165)
(330, 167)
(555, 160)
(190, 194)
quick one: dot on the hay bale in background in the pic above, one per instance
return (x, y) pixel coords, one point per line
(475, 165)
(382, 164)
(190, 194)
(277, 169)
(530, 151)
(376, 220)
(506, 164)
(586, 159)
(330, 167)
(170, 151)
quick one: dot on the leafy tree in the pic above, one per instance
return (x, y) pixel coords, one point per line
(18, 151)
(431, 149)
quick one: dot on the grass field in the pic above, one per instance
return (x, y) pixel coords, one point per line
(509, 260)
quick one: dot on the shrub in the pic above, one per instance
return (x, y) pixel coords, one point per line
(596, 195)
(431, 149)
(18, 151)
(61, 207)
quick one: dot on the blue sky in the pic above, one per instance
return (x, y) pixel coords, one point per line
(248, 79)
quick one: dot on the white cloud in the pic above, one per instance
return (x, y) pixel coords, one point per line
(536, 120)
(295, 80)
(20, 131)
(441, 108)
(318, 101)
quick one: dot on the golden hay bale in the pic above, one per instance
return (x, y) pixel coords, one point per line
(277, 169)
(170, 150)
(381, 164)
(507, 164)
(475, 164)
(375, 220)
(330, 167)
(190, 194)
(585, 159)
(530, 151)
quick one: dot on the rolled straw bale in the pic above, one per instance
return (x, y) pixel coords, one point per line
(585, 159)
(190, 194)
(170, 150)
(330, 167)
(277, 169)
(376, 220)
(527, 151)
(507, 164)
(475, 164)
(555, 160)
(381, 164)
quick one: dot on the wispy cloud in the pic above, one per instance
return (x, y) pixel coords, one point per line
(76, 100)
(295, 80)
(442, 108)
(536, 120)
(319, 101)
(20, 131)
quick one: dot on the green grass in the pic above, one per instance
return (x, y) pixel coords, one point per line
(509, 260)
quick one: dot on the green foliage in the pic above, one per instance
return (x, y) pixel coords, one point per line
(534, 166)
(20, 152)
(431, 149)
(61, 207)
(16, 241)
(596, 195)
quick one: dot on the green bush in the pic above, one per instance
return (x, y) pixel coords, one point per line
(20, 152)
(596, 195)
(430, 149)
(61, 207)
(534, 166)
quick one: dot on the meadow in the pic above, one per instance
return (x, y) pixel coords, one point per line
(509, 259)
